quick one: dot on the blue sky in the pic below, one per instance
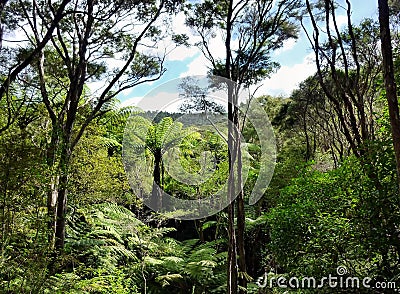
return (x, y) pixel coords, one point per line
(295, 58)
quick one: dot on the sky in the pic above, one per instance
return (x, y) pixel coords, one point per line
(295, 59)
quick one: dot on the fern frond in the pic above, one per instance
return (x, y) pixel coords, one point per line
(165, 280)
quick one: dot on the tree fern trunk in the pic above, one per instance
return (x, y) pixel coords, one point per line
(156, 194)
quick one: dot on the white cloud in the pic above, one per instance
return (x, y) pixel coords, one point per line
(287, 46)
(133, 101)
(178, 24)
(341, 21)
(200, 65)
(197, 67)
(217, 47)
(165, 101)
(287, 78)
(283, 82)
(180, 52)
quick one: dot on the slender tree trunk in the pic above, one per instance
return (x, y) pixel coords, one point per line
(62, 194)
(308, 145)
(156, 194)
(52, 194)
(232, 283)
(241, 242)
(61, 212)
(232, 263)
(241, 215)
(199, 228)
(390, 83)
(52, 210)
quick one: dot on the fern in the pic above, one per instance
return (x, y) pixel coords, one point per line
(116, 252)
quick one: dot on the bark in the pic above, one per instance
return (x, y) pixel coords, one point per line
(241, 242)
(308, 145)
(199, 228)
(53, 191)
(232, 286)
(390, 84)
(241, 215)
(61, 212)
(232, 263)
(156, 193)
(232, 254)
(347, 100)
(52, 210)
(2, 5)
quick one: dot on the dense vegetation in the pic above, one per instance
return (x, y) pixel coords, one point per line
(71, 222)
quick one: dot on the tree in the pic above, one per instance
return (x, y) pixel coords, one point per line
(10, 15)
(314, 116)
(85, 48)
(195, 98)
(258, 27)
(156, 139)
(347, 66)
(157, 142)
(390, 84)
(23, 181)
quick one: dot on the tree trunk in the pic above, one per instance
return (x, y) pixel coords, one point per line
(52, 194)
(232, 263)
(52, 210)
(156, 193)
(232, 283)
(390, 83)
(61, 212)
(62, 195)
(241, 216)
(241, 242)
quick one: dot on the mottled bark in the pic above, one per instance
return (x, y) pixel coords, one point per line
(390, 84)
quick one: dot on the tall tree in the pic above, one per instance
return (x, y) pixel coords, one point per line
(347, 68)
(251, 30)
(99, 41)
(390, 84)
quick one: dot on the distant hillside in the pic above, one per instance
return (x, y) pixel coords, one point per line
(188, 119)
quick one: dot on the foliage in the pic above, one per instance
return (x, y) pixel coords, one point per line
(23, 182)
(59, 136)
(323, 220)
(111, 251)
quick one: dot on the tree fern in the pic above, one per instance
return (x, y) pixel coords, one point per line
(116, 253)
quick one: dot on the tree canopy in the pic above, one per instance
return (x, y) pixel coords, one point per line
(84, 178)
